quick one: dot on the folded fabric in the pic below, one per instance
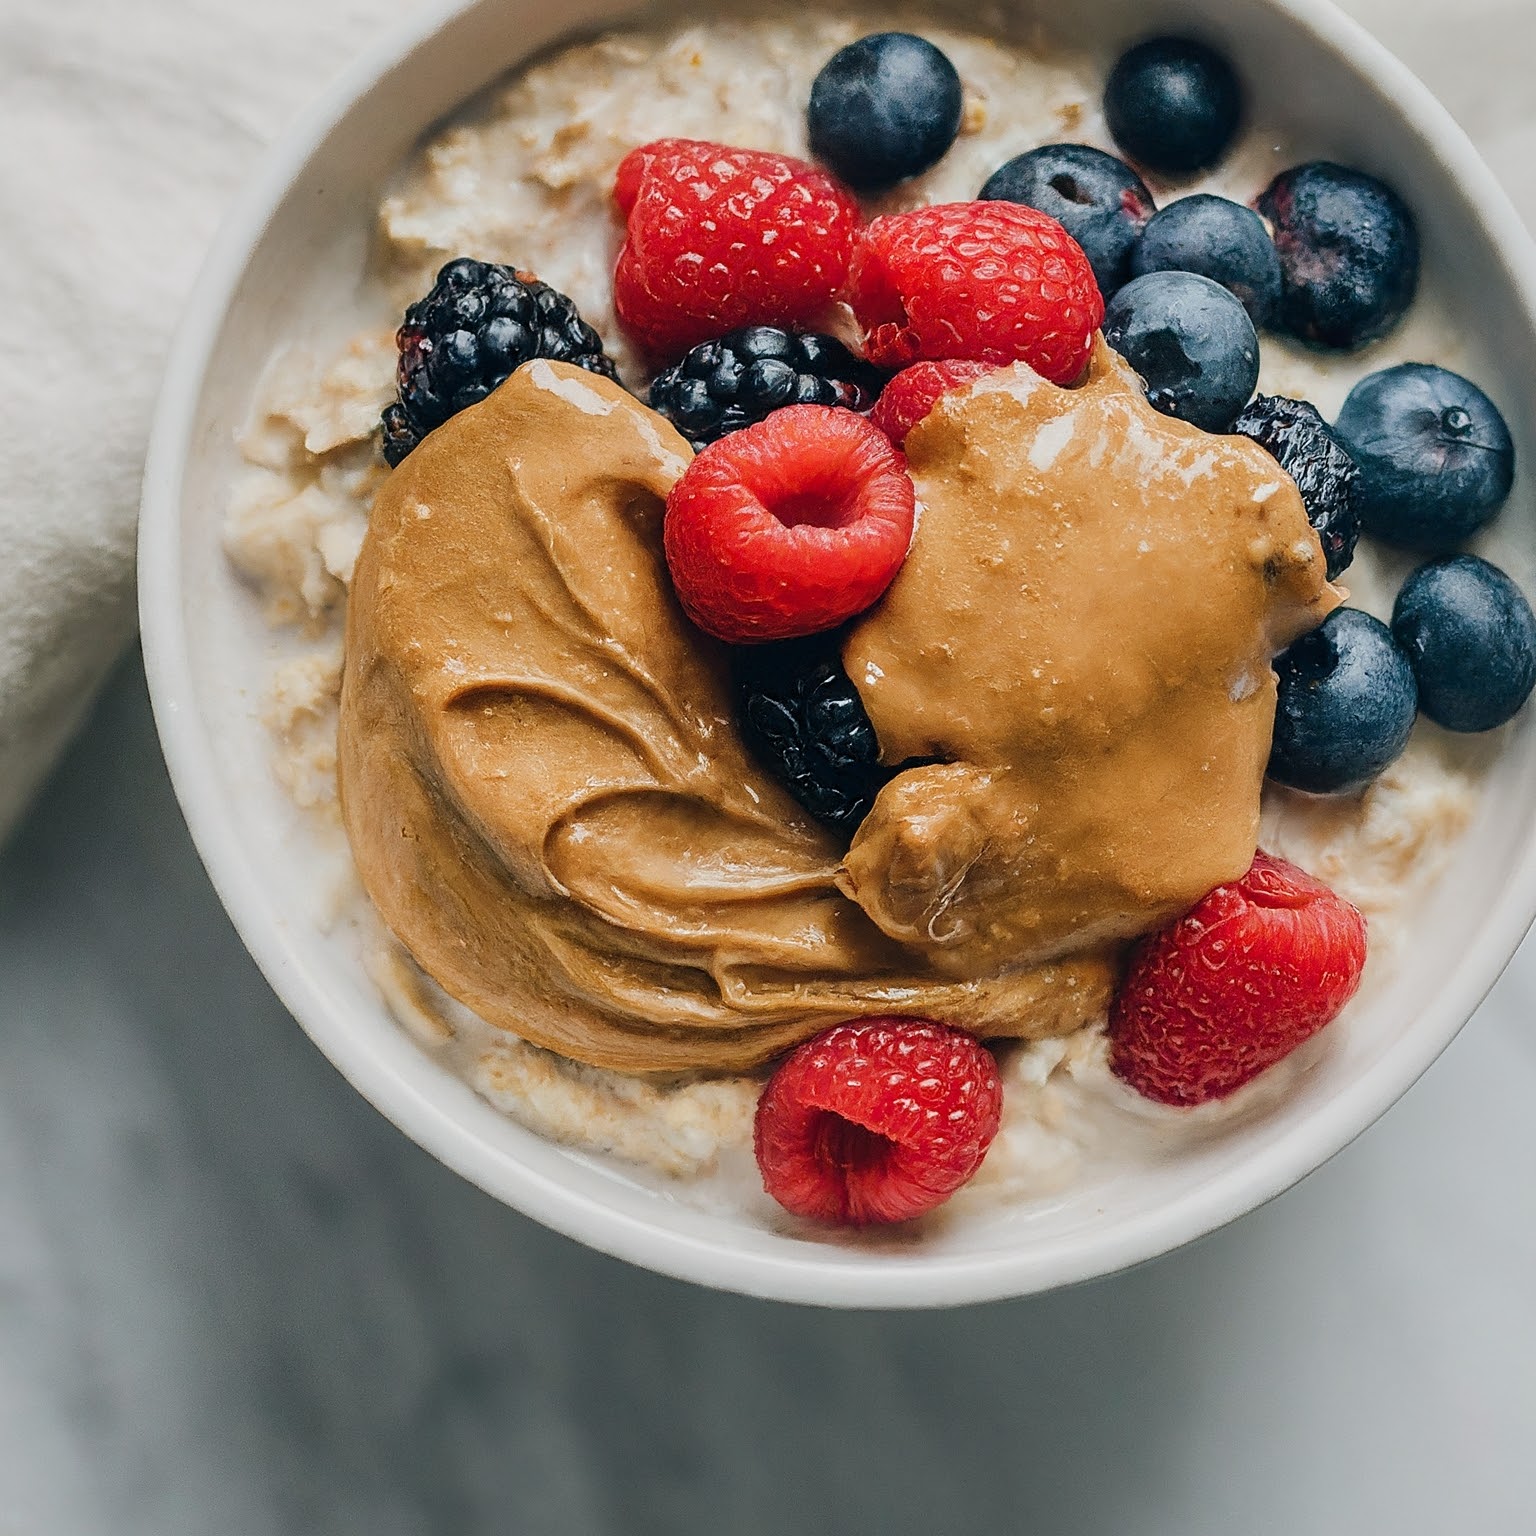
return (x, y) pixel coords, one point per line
(128, 126)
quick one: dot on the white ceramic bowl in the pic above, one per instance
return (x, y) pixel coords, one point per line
(290, 253)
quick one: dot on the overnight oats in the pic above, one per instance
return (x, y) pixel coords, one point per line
(897, 620)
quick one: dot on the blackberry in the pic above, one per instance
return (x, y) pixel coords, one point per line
(1325, 473)
(801, 715)
(722, 386)
(480, 322)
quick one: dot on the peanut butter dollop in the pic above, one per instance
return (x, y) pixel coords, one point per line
(1081, 635)
(545, 794)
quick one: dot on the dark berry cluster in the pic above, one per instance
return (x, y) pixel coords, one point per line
(801, 715)
(1305, 447)
(480, 322)
(722, 386)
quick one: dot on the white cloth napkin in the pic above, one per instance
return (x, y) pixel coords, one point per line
(127, 125)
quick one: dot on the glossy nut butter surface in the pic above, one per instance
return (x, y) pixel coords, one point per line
(1082, 636)
(551, 809)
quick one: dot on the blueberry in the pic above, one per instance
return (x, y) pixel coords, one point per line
(1217, 239)
(1100, 201)
(1192, 343)
(1173, 105)
(1436, 459)
(884, 108)
(1346, 707)
(1470, 637)
(1349, 253)
(1305, 447)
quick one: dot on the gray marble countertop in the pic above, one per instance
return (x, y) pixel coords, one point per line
(234, 1300)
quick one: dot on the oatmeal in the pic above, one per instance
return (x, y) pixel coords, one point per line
(525, 178)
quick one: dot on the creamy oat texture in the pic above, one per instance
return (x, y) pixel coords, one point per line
(525, 178)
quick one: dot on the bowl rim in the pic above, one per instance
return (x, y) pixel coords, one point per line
(793, 1275)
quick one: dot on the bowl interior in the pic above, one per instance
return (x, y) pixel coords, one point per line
(290, 261)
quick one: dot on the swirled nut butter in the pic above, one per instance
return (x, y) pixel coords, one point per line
(551, 808)
(1081, 636)
(545, 793)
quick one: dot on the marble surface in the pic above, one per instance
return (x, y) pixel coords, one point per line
(234, 1300)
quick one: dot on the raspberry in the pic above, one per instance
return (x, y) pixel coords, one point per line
(721, 238)
(876, 1121)
(915, 391)
(1235, 985)
(994, 281)
(789, 526)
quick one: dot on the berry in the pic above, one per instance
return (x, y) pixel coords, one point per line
(789, 526)
(1173, 105)
(722, 386)
(1346, 705)
(1470, 637)
(479, 323)
(1191, 342)
(1258, 967)
(884, 108)
(1099, 200)
(993, 282)
(1349, 253)
(802, 717)
(1325, 474)
(1436, 459)
(914, 392)
(1220, 240)
(877, 1121)
(720, 238)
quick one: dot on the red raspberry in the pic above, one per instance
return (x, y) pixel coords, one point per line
(996, 282)
(720, 238)
(789, 526)
(1235, 985)
(915, 391)
(876, 1121)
